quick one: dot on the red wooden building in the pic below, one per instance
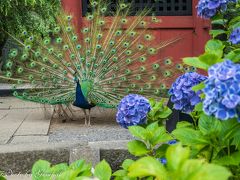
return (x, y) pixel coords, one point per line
(178, 18)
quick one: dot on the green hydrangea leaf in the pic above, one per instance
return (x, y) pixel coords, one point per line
(217, 32)
(139, 132)
(103, 171)
(196, 169)
(126, 163)
(176, 155)
(209, 125)
(41, 170)
(195, 62)
(147, 166)
(120, 173)
(189, 136)
(216, 47)
(233, 159)
(137, 148)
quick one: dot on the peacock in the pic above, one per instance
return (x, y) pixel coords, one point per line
(108, 58)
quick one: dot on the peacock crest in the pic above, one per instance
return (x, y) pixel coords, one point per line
(110, 57)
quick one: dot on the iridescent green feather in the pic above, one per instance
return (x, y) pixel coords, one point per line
(110, 58)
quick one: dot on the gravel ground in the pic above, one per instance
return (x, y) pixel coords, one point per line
(103, 128)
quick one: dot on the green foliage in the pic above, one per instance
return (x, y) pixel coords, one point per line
(103, 171)
(219, 47)
(42, 170)
(2, 176)
(149, 139)
(159, 112)
(213, 54)
(215, 141)
(179, 167)
(37, 17)
(223, 24)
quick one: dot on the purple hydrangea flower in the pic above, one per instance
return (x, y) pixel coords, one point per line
(133, 110)
(222, 91)
(182, 95)
(208, 8)
(235, 36)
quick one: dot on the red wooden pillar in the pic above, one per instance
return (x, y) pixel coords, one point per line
(201, 31)
(74, 8)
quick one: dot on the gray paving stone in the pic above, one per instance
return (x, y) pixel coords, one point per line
(19, 176)
(3, 113)
(15, 103)
(119, 144)
(90, 155)
(36, 123)
(29, 139)
(10, 123)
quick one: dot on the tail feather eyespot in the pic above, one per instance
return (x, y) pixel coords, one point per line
(142, 59)
(103, 10)
(167, 61)
(69, 18)
(179, 66)
(90, 17)
(128, 60)
(20, 70)
(152, 51)
(142, 68)
(155, 66)
(8, 74)
(78, 46)
(9, 64)
(167, 73)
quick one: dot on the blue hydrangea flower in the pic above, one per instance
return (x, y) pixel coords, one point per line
(208, 8)
(162, 160)
(171, 142)
(235, 36)
(133, 110)
(182, 95)
(222, 91)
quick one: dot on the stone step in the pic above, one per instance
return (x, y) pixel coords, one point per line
(18, 158)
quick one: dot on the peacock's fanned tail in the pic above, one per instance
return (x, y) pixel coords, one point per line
(112, 57)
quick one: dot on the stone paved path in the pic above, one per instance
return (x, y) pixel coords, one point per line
(23, 122)
(26, 122)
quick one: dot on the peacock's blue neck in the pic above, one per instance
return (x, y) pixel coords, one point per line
(80, 100)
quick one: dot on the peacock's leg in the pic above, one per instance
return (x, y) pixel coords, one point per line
(89, 117)
(85, 113)
(71, 111)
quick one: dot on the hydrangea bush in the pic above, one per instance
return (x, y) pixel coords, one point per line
(222, 91)
(209, 8)
(182, 95)
(235, 36)
(133, 110)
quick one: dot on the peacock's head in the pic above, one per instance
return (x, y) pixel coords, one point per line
(75, 79)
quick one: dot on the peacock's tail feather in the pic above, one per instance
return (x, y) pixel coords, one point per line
(112, 57)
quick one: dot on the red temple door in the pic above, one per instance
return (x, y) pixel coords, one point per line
(192, 29)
